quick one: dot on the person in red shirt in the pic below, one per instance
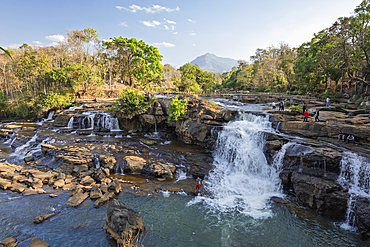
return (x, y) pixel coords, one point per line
(306, 114)
(197, 186)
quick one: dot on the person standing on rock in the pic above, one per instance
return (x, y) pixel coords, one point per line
(305, 114)
(282, 105)
(273, 105)
(327, 102)
(304, 107)
(317, 116)
(197, 186)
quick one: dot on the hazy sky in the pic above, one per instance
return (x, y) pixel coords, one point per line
(181, 29)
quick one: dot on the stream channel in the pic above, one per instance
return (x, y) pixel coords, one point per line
(236, 211)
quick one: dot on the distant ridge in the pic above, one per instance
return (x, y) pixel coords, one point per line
(212, 63)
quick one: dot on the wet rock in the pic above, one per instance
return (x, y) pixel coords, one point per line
(122, 223)
(159, 170)
(61, 120)
(29, 159)
(77, 199)
(273, 145)
(42, 218)
(87, 181)
(326, 196)
(53, 195)
(7, 168)
(104, 188)
(17, 187)
(42, 175)
(31, 181)
(58, 184)
(8, 242)
(114, 186)
(38, 242)
(31, 191)
(362, 215)
(134, 164)
(99, 175)
(76, 190)
(95, 192)
(104, 199)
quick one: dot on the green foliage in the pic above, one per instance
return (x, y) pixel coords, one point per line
(287, 103)
(177, 109)
(341, 106)
(296, 108)
(325, 95)
(44, 102)
(359, 100)
(131, 103)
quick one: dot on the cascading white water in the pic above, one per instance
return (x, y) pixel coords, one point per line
(19, 151)
(70, 123)
(242, 178)
(355, 176)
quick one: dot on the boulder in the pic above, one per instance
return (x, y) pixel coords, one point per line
(326, 196)
(5, 183)
(38, 242)
(362, 214)
(8, 242)
(17, 187)
(59, 183)
(133, 164)
(42, 218)
(104, 199)
(123, 223)
(87, 181)
(77, 199)
(99, 175)
(95, 192)
(159, 170)
(114, 186)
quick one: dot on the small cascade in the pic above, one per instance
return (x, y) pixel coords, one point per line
(19, 151)
(96, 161)
(10, 140)
(242, 179)
(119, 169)
(155, 125)
(94, 121)
(70, 123)
(50, 116)
(355, 176)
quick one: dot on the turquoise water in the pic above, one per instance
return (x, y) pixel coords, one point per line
(170, 221)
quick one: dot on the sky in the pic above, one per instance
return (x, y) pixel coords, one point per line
(181, 29)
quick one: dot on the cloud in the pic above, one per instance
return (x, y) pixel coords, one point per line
(53, 44)
(170, 22)
(192, 34)
(191, 21)
(165, 44)
(175, 32)
(37, 42)
(154, 9)
(14, 46)
(57, 37)
(123, 24)
(151, 23)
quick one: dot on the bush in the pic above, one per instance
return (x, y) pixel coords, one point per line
(131, 103)
(44, 102)
(338, 95)
(341, 106)
(177, 109)
(296, 108)
(359, 100)
(287, 103)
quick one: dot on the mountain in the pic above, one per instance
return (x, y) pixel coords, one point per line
(212, 63)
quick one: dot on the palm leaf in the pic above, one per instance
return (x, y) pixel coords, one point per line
(6, 52)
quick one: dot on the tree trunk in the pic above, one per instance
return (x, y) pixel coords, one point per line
(336, 86)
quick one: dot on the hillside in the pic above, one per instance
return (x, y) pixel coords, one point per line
(212, 63)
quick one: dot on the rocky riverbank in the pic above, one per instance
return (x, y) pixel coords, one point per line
(84, 151)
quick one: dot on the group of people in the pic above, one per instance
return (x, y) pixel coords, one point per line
(281, 105)
(350, 137)
(306, 114)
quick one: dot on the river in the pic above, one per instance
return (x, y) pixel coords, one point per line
(237, 211)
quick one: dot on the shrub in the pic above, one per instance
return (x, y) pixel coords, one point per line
(131, 103)
(287, 103)
(359, 100)
(177, 109)
(341, 106)
(45, 102)
(296, 108)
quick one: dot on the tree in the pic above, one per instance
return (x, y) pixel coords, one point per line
(136, 60)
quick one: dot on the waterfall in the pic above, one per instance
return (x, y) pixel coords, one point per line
(50, 116)
(93, 120)
(19, 151)
(155, 124)
(242, 179)
(355, 176)
(70, 123)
